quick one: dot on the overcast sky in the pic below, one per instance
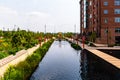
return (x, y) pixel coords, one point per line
(58, 15)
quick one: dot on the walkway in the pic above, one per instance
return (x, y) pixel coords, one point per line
(108, 58)
(5, 63)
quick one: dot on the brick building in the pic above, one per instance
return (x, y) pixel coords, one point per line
(101, 17)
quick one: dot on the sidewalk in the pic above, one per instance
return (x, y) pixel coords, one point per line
(100, 45)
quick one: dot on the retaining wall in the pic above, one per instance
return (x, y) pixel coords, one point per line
(15, 59)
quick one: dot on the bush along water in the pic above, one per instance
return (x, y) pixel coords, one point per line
(23, 70)
(75, 46)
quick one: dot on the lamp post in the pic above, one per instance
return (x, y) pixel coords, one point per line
(14, 27)
(75, 29)
(45, 29)
(45, 33)
(107, 36)
(74, 33)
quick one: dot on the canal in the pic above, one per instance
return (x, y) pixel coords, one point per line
(61, 62)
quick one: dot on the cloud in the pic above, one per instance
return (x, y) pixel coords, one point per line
(38, 20)
(37, 17)
(6, 11)
(8, 16)
(39, 14)
(25, 20)
(33, 13)
(35, 1)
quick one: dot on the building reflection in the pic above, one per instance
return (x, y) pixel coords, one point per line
(95, 68)
(83, 65)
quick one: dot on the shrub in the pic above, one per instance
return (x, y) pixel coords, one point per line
(12, 51)
(2, 55)
(75, 46)
(91, 44)
(23, 70)
(111, 45)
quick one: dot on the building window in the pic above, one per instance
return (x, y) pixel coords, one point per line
(106, 31)
(90, 3)
(117, 30)
(105, 11)
(117, 19)
(117, 3)
(90, 23)
(90, 15)
(106, 20)
(117, 11)
(105, 3)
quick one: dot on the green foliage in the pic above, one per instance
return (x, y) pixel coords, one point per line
(93, 36)
(117, 44)
(13, 41)
(24, 38)
(91, 44)
(3, 54)
(68, 34)
(86, 42)
(1, 33)
(12, 51)
(24, 69)
(111, 45)
(75, 46)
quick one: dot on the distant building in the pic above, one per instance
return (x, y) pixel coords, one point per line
(101, 17)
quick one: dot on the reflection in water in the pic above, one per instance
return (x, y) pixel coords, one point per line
(60, 44)
(94, 68)
(84, 65)
(61, 62)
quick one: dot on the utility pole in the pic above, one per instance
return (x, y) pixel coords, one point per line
(45, 34)
(14, 27)
(45, 28)
(75, 28)
(54, 31)
(3, 29)
(74, 32)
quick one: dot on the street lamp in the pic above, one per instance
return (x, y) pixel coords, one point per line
(45, 29)
(107, 36)
(74, 28)
(45, 33)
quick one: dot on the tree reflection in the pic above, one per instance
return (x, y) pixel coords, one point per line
(60, 44)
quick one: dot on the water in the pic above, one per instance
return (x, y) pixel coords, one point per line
(61, 62)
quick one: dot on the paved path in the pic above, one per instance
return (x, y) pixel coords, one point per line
(108, 58)
(5, 63)
(11, 57)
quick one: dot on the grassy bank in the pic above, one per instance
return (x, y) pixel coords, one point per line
(23, 70)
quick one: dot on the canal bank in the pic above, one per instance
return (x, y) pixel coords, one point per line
(97, 65)
(23, 69)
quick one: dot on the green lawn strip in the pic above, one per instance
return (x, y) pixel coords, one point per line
(24, 69)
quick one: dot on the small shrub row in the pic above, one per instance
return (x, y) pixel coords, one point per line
(91, 44)
(3, 54)
(75, 46)
(117, 44)
(23, 70)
